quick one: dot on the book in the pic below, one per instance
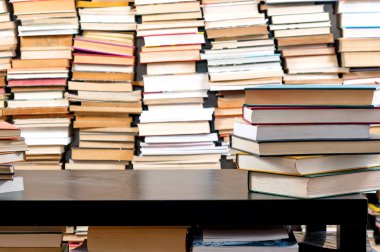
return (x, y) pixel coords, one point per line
(162, 83)
(99, 46)
(204, 114)
(173, 7)
(305, 147)
(102, 154)
(63, 248)
(359, 44)
(171, 68)
(312, 95)
(240, 239)
(305, 165)
(307, 115)
(315, 186)
(360, 59)
(170, 128)
(173, 56)
(300, 131)
(137, 238)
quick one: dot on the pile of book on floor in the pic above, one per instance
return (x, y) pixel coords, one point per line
(8, 46)
(12, 151)
(241, 55)
(307, 141)
(176, 125)
(75, 234)
(265, 238)
(38, 79)
(173, 239)
(304, 37)
(168, 239)
(101, 91)
(32, 239)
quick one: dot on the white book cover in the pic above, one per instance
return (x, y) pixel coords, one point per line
(15, 185)
(180, 82)
(182, 138)
(174, 115)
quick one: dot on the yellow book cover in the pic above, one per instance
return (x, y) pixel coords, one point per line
(87, 4)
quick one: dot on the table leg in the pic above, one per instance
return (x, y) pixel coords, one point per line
(352, 238)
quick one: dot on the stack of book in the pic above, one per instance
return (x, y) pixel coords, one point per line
(241, 55)
(106, 15)
(176, 125)
(360, 44)
(8, 47)
(304, 37)
(12, 151)
(32, 239)
(307, 141)
(38, 79)
(266, 238)
(101, 90)
(8, 44)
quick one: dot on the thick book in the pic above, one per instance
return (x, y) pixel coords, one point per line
(63, 248)
(306, 165)
(311, 115)
(315, 186)
(306, 147)
(7, 170)
(300, 131)
(114, 239)
(312, 95)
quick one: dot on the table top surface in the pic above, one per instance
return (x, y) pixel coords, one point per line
(225, 185)
(207, 197)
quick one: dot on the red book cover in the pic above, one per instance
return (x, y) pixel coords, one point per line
(37, 82)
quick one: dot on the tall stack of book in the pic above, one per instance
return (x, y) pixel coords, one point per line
(8, 46)
(176, 125)
(241, 55)
(304, 37)
(38, 79)
(12, 151)
(308, 141)
(32, 239)
(101, 90)
(360, 44)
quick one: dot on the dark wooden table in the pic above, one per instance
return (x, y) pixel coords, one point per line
(214, 197)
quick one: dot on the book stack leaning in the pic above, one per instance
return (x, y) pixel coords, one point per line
(13, 149)
(101, 94)
(309, 141)
(8, 46)
(241, 55)
(38, 80)
(176, 125)
(304, 37)
(360, 45)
